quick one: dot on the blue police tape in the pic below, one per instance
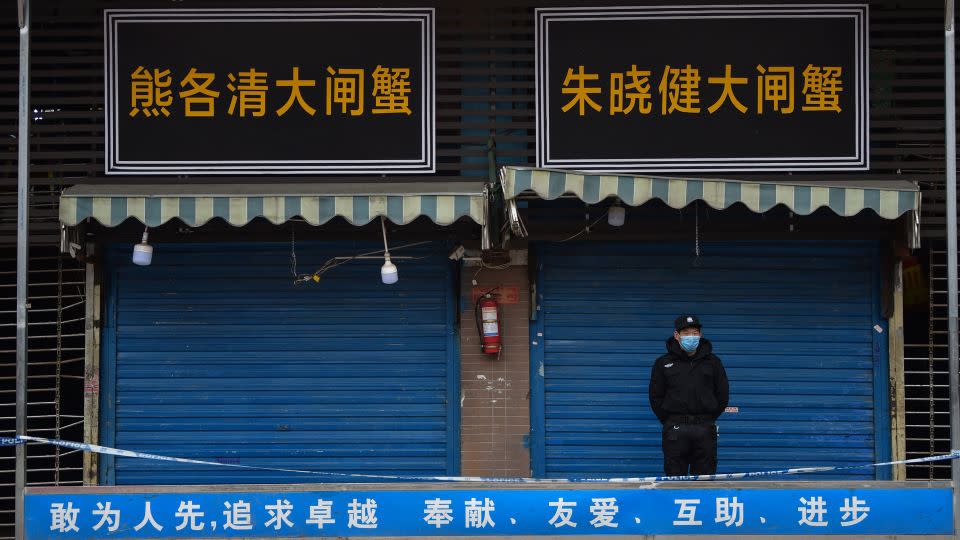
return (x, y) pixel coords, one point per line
(23, 439)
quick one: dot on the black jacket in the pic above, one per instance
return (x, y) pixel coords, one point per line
(681, 384)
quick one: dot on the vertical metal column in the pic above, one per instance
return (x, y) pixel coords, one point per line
(951, 153)
(23, 221)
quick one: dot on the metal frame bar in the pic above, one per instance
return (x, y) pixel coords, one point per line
(106, 408)
(538, 407)
(882, 436)
(951, 157)
(23, 221)
(91, 368)
(454, 409)
(896, 367)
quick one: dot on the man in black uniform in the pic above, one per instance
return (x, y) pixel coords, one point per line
(688, 392)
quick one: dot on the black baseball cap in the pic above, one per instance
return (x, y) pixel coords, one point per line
(686, 321)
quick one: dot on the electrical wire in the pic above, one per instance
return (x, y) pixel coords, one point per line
(485, 266)
(696, 210)
(585, 229)
(334, 262)
(293, 252)
(383, 227)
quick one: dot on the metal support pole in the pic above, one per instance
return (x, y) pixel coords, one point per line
(23, 221)
(951, 154)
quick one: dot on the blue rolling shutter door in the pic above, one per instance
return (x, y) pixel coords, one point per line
(213, 353)
(793, 323)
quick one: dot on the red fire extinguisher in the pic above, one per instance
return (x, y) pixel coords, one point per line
(488, 323)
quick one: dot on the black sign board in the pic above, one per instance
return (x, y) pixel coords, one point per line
(703, 88)
(269, 91)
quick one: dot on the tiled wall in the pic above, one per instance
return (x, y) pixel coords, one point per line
(495, 390)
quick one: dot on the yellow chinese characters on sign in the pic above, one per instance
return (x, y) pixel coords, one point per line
(250, 91)
(345, 88)
(346, 92)
(775, 85)
(580, 91)
(635, 94)
(821, 88)
(727, 81)
(680, 90)
(150, 92)
(391, 91)
(295, 83)
(199, 99)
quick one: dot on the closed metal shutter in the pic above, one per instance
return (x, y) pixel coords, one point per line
(213, 353)
(792, 322)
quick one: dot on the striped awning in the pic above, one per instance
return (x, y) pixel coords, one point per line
(195, 205)
(889, 200)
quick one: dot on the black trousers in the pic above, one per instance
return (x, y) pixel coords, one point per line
(689, 449)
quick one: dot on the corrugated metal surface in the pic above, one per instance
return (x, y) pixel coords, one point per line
(792, 322)
(485, 80)
(213, 353)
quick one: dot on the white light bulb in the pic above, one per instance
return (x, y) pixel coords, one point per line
(388, 272)
(616, 216)
(143, 252)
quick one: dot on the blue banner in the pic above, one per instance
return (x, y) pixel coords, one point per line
(465, 511)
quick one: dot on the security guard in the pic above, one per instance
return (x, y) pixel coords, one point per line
(688, 392)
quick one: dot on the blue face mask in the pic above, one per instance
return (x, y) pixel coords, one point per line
(689, 343)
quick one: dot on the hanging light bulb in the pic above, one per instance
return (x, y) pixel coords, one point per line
(616, 215)
(143, 252)
(388, 272)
